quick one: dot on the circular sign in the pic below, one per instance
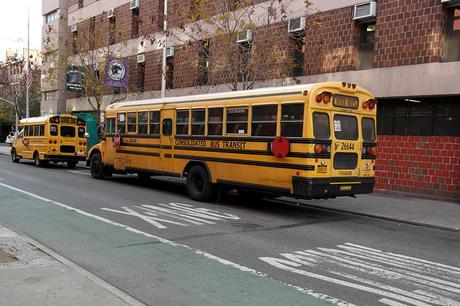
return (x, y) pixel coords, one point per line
(116, 140)
(26, 142)
(280, 147)
(116, 70)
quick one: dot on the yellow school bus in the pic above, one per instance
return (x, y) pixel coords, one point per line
(304, 141)
(56, 138)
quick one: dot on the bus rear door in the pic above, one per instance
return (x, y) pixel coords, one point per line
(167, 140)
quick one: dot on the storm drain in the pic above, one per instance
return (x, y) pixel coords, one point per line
(6, 257)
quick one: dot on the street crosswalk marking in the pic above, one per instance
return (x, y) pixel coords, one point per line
(395, 278)
(82, 172)
(180, 214)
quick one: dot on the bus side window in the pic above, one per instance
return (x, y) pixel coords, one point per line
(237, 120)
(81, 132)
(292, 120)
(42, 130)
(154, 126)
(215, 119)
(264, 119)
(132, 122)
(121, 123)
(198, 121)
(167, 127)
(110, 126)
(53, 130)
(182, 122)
(321, 125)
(142, 122)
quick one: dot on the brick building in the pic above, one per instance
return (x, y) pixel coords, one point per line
(406, 52)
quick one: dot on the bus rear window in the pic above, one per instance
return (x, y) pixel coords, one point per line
(67, 131)
(345, 127)
(81, 132)
(321, 125)
(368, 125)
(292, 120)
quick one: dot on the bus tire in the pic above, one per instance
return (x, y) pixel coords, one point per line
(71, 164)
(37, 161)
(14, 156)
(96, 167)
(144, 178)
(199, 186)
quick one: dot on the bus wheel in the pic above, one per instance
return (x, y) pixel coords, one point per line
(143, 177)
(37, 161)
(199, 187)
(14, 156)
(71, 164)
(96, 167)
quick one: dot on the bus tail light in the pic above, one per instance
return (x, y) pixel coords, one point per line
(80, 143)
(84, 143)
(318, 149)
(370, 151)
(50, 141)
(55, 141)
(319, 98)
(365, 104)
(325, 97)
(322, 149)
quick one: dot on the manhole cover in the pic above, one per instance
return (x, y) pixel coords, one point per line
(6, 257)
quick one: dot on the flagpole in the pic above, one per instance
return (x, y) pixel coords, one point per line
(28, 67)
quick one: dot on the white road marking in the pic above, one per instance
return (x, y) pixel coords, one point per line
(223, 261)
(186, 213)
(394, 278)
(78, 172)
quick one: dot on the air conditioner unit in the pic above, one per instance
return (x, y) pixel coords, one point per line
(170, 52)
(365, 11)
(73, 28)
(244, 36)
(141, 58)
(297, 24)
(110, 13)
(134, 4)
(451, 2)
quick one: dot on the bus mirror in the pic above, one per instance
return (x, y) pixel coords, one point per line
(87, 135)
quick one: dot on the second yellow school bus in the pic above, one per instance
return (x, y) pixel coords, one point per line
(305, 141)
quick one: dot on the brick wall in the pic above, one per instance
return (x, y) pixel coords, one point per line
(419, 164)
(408, 32)
(153, 70)
(331, 45)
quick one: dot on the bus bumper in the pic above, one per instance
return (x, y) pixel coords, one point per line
(318, 188)
(64, 158)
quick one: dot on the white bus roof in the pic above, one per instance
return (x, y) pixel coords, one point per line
(220, 95)
(35, 119)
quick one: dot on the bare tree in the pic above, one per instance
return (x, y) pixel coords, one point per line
(229, 45)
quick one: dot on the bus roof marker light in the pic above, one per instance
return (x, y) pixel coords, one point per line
(305, 92)
(344, 84)
(371, 104)
(353, 86)
(349, 85)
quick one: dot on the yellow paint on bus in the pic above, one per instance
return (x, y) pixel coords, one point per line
(305, 141)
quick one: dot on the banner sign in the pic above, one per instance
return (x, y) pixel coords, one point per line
(116, 73)
(75, 80)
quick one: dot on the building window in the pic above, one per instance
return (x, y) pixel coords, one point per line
(140, 77)
(112, 31)
(92, 33)
(419, 117)
(49, 95)
(135, 21)
(292, 120)
(452, 51)
(182, 120)
(52, 16)
(170, 72)
(198, 121)
(237, 120)
(215, 120)
(366, 46)
(264, 118)
(297, 42)
(80, 4)
(154, 123)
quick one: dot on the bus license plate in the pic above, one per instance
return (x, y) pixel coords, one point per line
(345, 188)
(322, 169)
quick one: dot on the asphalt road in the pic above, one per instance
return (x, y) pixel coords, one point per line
(234, 252)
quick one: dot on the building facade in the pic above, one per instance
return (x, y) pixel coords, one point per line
(406, 52)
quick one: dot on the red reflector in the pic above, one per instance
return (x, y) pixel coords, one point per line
(319, 98)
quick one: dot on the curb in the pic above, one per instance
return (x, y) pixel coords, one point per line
(374, 216)
(125, 297)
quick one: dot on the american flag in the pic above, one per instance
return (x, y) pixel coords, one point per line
(30, 77)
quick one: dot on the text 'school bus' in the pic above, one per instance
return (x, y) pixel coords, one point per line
(56, 138)
(305, 141)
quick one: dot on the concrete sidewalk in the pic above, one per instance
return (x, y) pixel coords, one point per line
(31, 276)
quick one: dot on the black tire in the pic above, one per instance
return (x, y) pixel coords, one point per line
(37, 161)
(14, 156)
(199, 186)
(144, 178)
(71, 164)
(96, 166)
